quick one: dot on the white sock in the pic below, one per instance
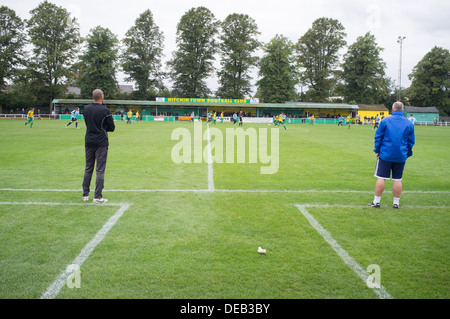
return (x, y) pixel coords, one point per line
(396, 200)
(376, 200)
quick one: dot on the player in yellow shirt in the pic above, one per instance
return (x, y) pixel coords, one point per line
(281, 121)
(312, 119)
(214, 118)
(349, 120)
(137, 116)
(221, 117)
(129, 116)
(30, 117)
(274, 120)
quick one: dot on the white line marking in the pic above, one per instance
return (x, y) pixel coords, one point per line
(38, 190)
(219, 190)
(53, 290)
(156, 190)
(60, 204)
(381, 292)
(370, 208)
(320, 191)
(210, 162)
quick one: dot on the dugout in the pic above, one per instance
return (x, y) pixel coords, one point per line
(368, 112)
(423, 115)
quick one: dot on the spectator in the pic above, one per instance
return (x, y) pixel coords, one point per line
(98, 121)
(394, 141)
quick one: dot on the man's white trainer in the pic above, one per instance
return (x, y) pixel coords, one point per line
(100, 200)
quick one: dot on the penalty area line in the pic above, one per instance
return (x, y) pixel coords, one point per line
(210, 163)
(371, 208)
(212, 188)
(342, 253)
(61, 204)
(53, 290)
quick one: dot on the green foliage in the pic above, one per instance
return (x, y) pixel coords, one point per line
(192, 62)
(30, 90)
(12, 42)
(99, 63)
(431, 81)
(141, 58)
(237, 47)
(363, 72)
(318, 57)
(278, 72)
(55, 38)
(52, 63)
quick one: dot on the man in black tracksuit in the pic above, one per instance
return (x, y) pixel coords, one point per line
(98, 121)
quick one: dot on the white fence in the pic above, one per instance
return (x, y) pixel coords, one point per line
(24, 117)
(431, 123)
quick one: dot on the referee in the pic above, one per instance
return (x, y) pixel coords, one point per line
(98, 121)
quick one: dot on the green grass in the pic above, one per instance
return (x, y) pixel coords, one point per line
(189, 245)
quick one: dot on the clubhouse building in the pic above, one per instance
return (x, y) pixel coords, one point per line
(180, 109)
(173, 109)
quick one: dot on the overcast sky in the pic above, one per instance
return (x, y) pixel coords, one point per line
(425, 24)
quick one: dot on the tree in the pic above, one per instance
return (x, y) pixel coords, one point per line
(55, 37)
(99, 63)
(318, 56)
(29, 88)
(12, 42)
(278, 72)
(237, 47)
(363, 72)
(141, 59)
(392, 97)
(430, 84)
(192, 62)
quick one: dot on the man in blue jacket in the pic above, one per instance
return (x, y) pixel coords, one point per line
(394, 140)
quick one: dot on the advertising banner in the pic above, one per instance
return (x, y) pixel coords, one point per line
(258, 120)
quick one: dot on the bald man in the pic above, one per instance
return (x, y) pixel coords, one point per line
(99, 122)
(394, 140)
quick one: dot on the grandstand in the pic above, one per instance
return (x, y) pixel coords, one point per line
(179, 109)
(173, 108)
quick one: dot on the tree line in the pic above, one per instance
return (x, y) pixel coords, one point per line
(312, 69)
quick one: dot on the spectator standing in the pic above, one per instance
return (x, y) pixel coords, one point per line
(394, 140)
(99, 122)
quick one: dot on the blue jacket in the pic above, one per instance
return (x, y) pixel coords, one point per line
(394, 138)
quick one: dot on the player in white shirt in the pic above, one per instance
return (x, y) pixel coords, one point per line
(74, 113)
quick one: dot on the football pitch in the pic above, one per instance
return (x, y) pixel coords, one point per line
(180, 226)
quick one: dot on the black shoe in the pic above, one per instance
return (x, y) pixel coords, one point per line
(395, 206)
(372, 204)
